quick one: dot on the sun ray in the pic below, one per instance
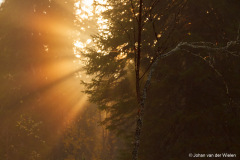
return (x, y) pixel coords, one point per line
(49, 85)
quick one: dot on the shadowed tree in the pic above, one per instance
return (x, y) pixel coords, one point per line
(140, 34)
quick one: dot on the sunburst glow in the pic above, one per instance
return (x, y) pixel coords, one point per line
(1, 1)
(51, 59)
(89, 10)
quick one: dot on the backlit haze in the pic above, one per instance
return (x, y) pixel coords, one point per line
(1, 1)
(51, 86)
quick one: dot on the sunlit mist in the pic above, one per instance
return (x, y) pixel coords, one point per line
(46, 79)
(44, 43)
(93, 79)
(1, 1)
(89, 10)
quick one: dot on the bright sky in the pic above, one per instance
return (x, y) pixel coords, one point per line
(84, 10)
(1, 1)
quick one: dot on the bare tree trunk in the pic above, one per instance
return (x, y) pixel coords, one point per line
(182, 46)
(141, 113)
(138, 91)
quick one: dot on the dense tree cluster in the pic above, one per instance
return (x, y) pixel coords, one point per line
(170, 67)
(192, 103)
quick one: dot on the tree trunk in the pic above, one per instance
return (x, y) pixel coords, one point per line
(138, 90)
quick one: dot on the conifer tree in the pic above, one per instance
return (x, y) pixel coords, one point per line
(125, 63)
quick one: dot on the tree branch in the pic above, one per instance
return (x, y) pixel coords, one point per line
(161, 49)
(133, 11)
(238, 34)
(194, 45)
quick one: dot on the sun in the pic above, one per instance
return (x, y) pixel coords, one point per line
(88, 2)
(86, 11)
(84, 8)
(1, 1)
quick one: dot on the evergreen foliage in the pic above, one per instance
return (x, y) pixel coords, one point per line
(189, 109)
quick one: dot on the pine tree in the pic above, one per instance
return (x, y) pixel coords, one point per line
(139, 34)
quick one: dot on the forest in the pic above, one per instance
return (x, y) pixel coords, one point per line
(119, 79)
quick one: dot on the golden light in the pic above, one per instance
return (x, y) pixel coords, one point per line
(1, 1)
(78, 11)
(89, 41)
(78, 56)
(88, 2)
(77, 4)
(79, 44)
(52, 86)
(84, 10)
